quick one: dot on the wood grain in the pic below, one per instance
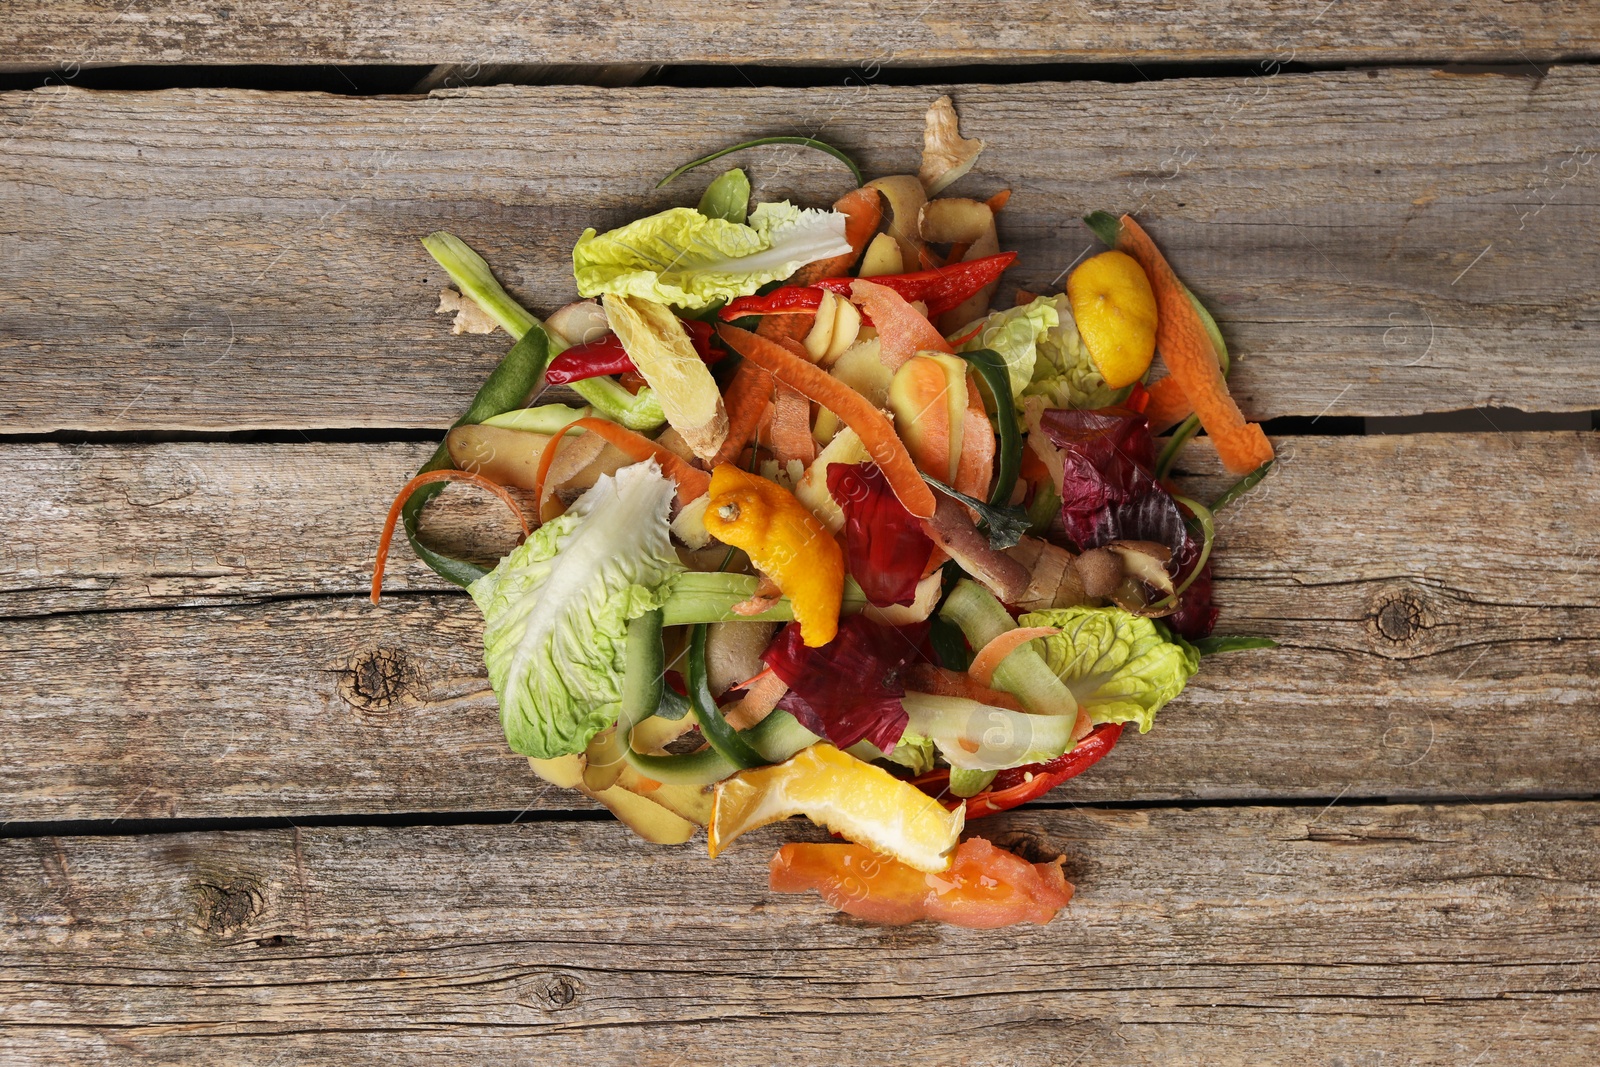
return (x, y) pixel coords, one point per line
(1345, 935)
(190, 636)
(1374, 242)
(839, 33)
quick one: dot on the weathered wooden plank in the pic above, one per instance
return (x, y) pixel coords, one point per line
(840, 33)
(1375, 242)
(1346, 935)
(1435, 596)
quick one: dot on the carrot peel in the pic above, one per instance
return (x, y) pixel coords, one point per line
(428, 478)
(870, 424)
(994, 653)
(1191, 357)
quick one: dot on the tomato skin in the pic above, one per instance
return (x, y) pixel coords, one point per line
(1013, 786)
(985, 888)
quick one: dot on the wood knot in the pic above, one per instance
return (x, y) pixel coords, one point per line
(1030, 846)
(378, 683)
(1400, 617)
(223, 908)
(275, 941)
(559, 991)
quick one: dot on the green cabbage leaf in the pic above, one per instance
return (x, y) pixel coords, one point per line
(556, 610)
(686, 259)
(1118, 665)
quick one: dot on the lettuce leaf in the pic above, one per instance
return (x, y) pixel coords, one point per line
(556, 610)
(1118, 665)
(683, 258)
(1014, 336)
(1044, 355)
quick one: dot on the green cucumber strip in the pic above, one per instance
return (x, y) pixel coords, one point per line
(808, 142)
(992, 371)
(718, 733)
(503, 390)
(709, 596)
(1241, 487)
(779, 736)
(1209, 527)
(1024, 673)
(1180, 437)
(644, 670)
(545, 419)
(643, 690)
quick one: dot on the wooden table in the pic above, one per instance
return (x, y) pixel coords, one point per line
(249, 818)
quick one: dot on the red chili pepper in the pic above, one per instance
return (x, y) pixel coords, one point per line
(941, 288)
(791, 298)
(607, 356)
(591, 360)
(1014, 785)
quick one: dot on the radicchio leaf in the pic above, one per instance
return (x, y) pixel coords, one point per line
(850, 688)
(1109, 493)
(1107, 457)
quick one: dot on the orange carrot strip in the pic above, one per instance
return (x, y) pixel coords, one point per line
(999, 200)
(748, 682)
(991, 655)
(975, 465)
(969, 335)
(863, 211)
(1167, 405)
(876, 431)
(747, 399)
(691, 481)
(791, 427)
(412, 486)
(903, 331)
(1187, 350)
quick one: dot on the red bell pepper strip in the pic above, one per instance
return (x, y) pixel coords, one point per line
(1015, 786)
(607, 356)
(885, 546)
(941, 288)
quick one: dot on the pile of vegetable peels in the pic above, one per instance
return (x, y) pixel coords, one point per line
(828, 535)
